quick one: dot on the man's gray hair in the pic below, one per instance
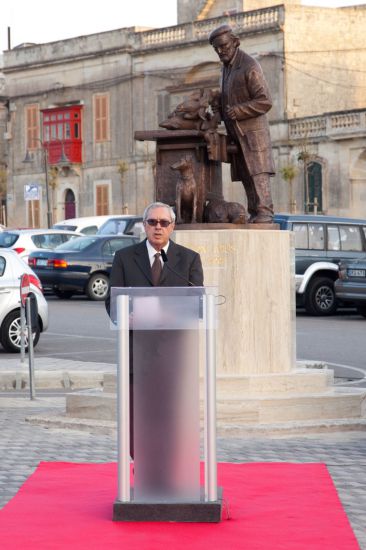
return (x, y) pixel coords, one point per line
(158, 205)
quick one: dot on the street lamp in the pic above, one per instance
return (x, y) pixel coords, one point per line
(63, 160)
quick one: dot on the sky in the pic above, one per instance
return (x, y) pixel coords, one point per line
(41, 21)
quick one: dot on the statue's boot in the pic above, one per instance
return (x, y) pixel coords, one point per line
(252, 200)
(264, 206)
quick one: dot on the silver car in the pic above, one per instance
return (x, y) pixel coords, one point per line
(25, 241)
(11, 270)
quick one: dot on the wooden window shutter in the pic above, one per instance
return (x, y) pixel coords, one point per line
(34, 219)
(101, 106)
(102, 200)
(32, 126)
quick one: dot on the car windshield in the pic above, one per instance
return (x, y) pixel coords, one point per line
(76, 244)
(113, 227)
(7, 239)
(65, 227)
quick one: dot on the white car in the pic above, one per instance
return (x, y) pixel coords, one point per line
(11, 270)
(25, 241)
(88, 225)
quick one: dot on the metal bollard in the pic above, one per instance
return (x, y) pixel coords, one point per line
(28, 306)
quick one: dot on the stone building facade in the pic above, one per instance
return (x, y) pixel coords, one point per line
(126, 80)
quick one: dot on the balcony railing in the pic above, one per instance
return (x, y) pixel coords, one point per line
(242, 23)
(330, 125)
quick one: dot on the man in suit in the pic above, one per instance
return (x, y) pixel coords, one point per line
(244, 102)
(156, 354)
(138, 265)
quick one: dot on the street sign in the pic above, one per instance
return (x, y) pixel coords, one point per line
(32, 192)
(24, 288)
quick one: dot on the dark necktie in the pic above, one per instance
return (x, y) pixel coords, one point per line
(156, 269)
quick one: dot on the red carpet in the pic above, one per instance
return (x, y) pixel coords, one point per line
(272, 506)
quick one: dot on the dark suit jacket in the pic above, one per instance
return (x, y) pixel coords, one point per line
(131, 267)
(248, 92)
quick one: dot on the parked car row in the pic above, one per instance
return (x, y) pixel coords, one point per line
(84, 268)
(321, 244)
(330, 264)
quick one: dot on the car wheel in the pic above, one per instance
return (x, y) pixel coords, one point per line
(10, 333)
(320, 297)
(98, 286)
(362, 310)
(63, 294)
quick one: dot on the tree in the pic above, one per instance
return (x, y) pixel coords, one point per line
(53, 183)
(122, 169)
(305, 156)
(289, 173)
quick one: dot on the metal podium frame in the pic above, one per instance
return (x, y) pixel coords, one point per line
(208, 509)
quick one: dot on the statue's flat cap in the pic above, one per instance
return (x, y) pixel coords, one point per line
(222, 29)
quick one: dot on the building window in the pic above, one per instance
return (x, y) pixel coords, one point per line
(62, 133)
(102, 199)
(32, 126)
(101, 117)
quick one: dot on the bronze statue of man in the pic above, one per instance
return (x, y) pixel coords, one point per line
(245, 100)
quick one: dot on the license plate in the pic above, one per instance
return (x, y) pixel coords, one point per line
(357, 272)
(42, 262)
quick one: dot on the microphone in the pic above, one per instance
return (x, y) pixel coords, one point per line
(164, 257)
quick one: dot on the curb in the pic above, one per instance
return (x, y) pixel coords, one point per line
(67, 380)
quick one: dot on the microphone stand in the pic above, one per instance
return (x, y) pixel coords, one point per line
(164, 257)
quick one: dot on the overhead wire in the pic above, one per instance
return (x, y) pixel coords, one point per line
(326, 81)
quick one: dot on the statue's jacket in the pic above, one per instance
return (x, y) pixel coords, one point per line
(247, 91)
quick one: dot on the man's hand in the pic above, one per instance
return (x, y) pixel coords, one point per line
(231, 112)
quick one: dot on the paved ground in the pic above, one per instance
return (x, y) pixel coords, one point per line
(23, 445)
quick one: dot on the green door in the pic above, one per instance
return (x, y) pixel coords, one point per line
(315, 187)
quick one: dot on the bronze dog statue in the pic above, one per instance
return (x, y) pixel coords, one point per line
(186, 191)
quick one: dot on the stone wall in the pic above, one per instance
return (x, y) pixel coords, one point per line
(324, 58)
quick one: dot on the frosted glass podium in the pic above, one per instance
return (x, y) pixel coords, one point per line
(163, 333)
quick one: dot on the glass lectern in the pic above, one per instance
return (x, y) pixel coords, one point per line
(163, 334)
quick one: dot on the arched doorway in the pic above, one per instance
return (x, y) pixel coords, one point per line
(315, 188)
(70, 210)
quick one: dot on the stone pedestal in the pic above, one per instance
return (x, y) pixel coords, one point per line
(254, 272)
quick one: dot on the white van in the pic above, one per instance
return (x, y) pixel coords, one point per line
(88, 225)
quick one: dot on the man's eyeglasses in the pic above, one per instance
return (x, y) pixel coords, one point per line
(154, 223)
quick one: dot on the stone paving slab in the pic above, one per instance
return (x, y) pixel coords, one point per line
(23, 445)
(54, 364)
(52, 373)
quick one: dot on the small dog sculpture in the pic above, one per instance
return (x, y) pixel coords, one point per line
(186, 191)
(220, 211)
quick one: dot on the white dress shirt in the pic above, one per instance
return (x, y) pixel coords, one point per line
(151, 251)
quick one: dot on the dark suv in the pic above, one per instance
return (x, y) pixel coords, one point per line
(321, 242)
